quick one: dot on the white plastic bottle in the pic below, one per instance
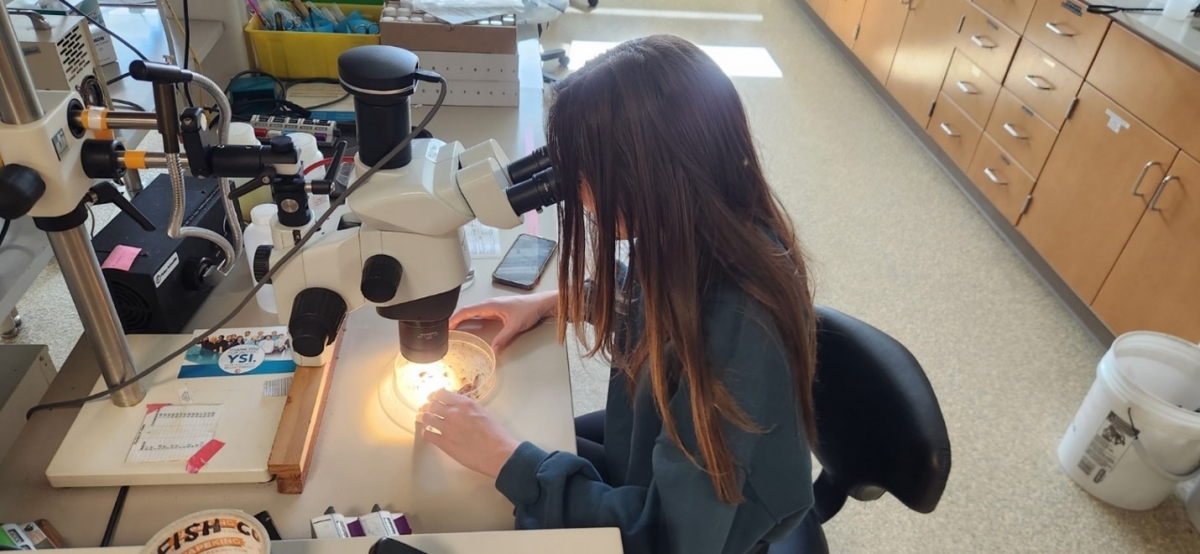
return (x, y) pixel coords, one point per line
(258, 233)
(242, 134)
(310, 153)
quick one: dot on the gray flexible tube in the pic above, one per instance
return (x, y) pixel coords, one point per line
(231, 214)
(175, 228)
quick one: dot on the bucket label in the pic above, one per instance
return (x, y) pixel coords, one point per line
(1108, 446)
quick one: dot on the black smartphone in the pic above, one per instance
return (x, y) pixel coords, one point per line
(525, 261)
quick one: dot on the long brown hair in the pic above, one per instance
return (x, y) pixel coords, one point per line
(657, 133)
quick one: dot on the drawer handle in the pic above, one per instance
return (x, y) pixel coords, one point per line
(967, 88)
(1008, 127)
(1038, 82)
(1158, 192)
(980, 42)
(1054, 28)
(991, 175)
(949, 132)
(1142, 176)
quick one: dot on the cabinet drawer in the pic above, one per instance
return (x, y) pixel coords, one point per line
(1043, 84)
(954, 131)
(1065, 30)
(987, 42)
(1152, 84)
(969, 87)
(999, 177)
(1021, 132)
(1013, 13)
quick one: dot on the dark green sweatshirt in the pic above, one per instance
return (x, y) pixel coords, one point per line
(660, 500)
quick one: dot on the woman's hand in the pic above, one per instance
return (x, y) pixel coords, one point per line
(467, 432)
(517, 313)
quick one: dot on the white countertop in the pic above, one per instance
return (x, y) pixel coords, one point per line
(575, 541)
(1180, 38)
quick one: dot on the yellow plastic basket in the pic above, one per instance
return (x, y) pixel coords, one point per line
(301, 55)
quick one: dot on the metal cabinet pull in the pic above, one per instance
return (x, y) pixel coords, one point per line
(946, 129)
(991, 175)
(1138, 183)
(966, 87)
(1054, 28)
(1158, 192)
(979, 41)
(1038, 82)
(1008, 127)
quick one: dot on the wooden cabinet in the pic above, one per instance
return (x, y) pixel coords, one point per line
(1000, 178)
(987, 42)
(969, 87)
(1093, 190)
(1013, 13)
(1021, 132)
(954, 131)
(879, 32)
(1156, 283)
(1066, 31)
(1043, 84)
(924, 54)
(819, 6)
(842, 17)
(1154, 85)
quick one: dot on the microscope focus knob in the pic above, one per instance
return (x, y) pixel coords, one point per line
(20, 188)
(262, 262)
(317, 316)
(381, 278)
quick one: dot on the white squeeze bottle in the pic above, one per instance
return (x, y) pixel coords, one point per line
(242, 134)
(258, 233)
(310, 153)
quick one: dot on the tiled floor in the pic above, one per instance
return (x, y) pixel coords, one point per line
(895, 243)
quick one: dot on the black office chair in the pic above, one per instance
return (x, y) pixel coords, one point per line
(879, 427)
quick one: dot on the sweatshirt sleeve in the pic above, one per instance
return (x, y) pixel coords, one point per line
(678, 512)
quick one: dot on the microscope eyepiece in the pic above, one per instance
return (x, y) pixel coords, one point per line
(524, 168)
(535, 193)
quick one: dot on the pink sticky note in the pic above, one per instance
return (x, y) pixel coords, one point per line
(202, 456)
(121, 258)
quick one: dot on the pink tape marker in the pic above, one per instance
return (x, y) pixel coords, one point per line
(121, 258)
(202, 456)
(151, 408)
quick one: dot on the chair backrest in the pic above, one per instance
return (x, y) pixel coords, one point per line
(879, 426)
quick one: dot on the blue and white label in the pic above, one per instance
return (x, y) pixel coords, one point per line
(241, 359)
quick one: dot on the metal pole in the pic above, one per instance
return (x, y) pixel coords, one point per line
(73, 248)
(81, 271)
(19, 102)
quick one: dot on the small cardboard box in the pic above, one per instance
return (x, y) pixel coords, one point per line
(442, 37)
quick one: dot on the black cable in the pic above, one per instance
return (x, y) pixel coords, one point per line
(133, 105)
(1106, 9)
(187, 47)
(287, 257)
(115, 517)
(117, 78)
(103, 28)
(4, 230)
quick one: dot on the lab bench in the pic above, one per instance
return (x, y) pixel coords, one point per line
(356, 461)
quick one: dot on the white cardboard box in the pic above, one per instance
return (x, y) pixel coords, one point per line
(466, 66)
(471, 93)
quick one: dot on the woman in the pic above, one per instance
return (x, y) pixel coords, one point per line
(703, 446)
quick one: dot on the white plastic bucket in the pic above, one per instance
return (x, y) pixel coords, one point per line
(1136, 435)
